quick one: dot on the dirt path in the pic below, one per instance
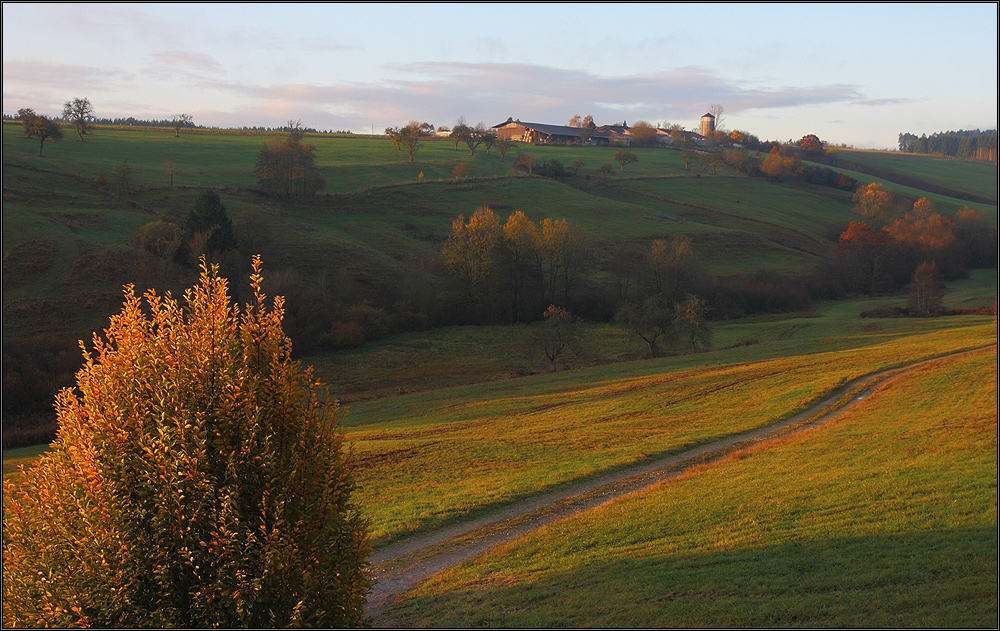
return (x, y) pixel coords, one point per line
(402, 566)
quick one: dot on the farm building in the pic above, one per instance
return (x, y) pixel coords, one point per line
(536, 133)
(666, 138)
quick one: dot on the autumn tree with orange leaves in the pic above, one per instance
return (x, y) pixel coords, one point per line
(644, 133)
(197, 479)
(470, 251)
(873, 202)
(871, 260)
(522, 258)
(811, 144)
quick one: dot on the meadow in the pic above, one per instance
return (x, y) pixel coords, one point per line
(453, 422)
(69, 242)
(435, 456)
(885, 517)
(961, 175)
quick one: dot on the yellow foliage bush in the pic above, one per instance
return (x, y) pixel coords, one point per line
(198, 479)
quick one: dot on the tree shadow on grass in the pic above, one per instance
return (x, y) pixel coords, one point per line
(928, 579)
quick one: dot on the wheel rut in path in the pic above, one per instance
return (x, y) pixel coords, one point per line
(401, 566)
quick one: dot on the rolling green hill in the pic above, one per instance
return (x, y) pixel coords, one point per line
(374, 235)
(969, 180)
(458, 421)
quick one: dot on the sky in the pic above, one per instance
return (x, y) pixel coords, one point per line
(853, 74)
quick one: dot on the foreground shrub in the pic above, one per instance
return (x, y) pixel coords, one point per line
(197, 479)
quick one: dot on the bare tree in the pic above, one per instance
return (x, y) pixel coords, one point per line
(691, 322)
(411, 137)
(459, 131)
(926, 289)
(170, 167)
(716, 110)
(651, 321)
(624, 157)
(296, 131)
(181, 120)
(471, 136)
(526, 160)
(123, 178)
(79, 113)
(559, 332)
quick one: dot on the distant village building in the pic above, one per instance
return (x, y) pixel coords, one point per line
(537, 133)
(617, 134)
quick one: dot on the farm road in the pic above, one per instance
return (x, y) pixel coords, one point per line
(402, 566)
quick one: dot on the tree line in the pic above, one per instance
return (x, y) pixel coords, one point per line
(970, 144)
(517, 266)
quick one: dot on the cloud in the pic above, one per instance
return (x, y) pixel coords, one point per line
(440, 92)
(45, 86)
(176, 59)
(43, 74)
(882, 102)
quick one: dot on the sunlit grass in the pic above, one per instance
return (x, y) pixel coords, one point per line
(430, 458)
(886, 517)
(974, 176)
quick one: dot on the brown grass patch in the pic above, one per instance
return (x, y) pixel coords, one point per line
(75, 221)
(104, 265)
(28, 258)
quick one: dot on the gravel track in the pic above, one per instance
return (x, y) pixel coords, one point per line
(403, 565)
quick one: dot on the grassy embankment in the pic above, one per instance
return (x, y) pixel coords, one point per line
(69, 246)
(440, 453)
(886, 517)
(430, 458)
(945, 181)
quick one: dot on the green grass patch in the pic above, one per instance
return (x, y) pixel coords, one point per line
(976, 177)
(885, 518)
(430, 458)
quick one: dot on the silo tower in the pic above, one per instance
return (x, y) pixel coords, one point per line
(707, 126)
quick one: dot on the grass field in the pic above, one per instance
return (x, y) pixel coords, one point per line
(429, 458)
(886, 517)
(452, 356)
(971, 176)
(464, 436)
(69, 243)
